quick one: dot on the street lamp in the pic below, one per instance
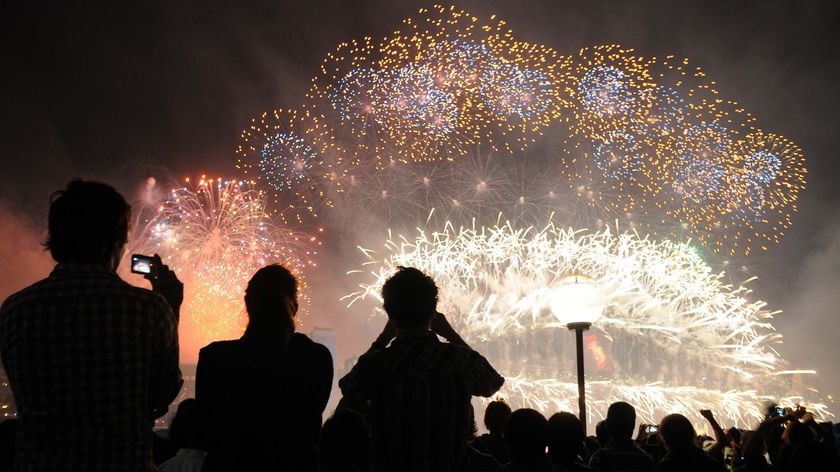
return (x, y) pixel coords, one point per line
(577, 301)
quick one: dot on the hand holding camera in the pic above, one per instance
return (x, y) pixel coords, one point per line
(163, 279)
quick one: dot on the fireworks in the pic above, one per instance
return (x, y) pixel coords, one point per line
(653, 137)
(477, 186)
(441, 85)
(215, 235)
(503, 288)
(291, 153)
(612, 90)
(645, 140)
(437, 122)
(771, 174)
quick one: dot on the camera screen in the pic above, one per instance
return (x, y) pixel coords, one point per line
(141, 265)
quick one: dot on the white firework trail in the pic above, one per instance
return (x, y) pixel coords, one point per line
(501, 282)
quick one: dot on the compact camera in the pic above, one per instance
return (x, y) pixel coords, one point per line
(141, 264)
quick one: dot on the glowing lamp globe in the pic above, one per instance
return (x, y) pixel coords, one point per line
(576, 299)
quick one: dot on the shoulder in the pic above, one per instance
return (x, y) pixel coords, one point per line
(145, 295)
(150, 304)
(302, 341)
(480, 461)
(114, 290)
(24, 294)
(306, 346)
(710, 462)
(460, 355)
(219, 348)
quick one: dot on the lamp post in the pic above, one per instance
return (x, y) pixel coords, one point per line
(579, 328)
(577, 301)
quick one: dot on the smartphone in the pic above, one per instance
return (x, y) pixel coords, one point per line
(141, 264)
(652, 428)
(778, 411)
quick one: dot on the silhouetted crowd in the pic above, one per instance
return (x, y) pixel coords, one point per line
(93, 362)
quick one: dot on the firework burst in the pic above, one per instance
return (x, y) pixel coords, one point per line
(440, 85)
(770, 175)
(215, 234)
(293, 155)
(645, 140)
(503, 290)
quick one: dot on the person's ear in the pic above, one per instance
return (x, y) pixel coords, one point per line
(292, 303)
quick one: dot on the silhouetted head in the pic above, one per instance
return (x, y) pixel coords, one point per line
(344, 441)
(565, 437)
(677, 432)
(621, 419)
(88, 223)
(797, 432)
(495, 416)
(526, 435)
(734, 435)
(271, 302)
(410, 298)
(602, 433)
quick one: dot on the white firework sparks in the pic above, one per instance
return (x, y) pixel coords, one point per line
(501, 284)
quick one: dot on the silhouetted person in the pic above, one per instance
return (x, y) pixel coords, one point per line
(602, 433)
(526, 435)
(187, 431)
(345, 443)
(565, 441)
(265, 392)
(493, 441)
(683, 454)
(621, 453)
(418, 388)
(92, 360)
(478, 461)
(801, 451)
(590, 447)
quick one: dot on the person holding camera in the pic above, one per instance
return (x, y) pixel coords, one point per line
(92, 361)
(418, 388)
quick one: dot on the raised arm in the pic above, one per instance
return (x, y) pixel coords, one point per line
(440, 326)
(720, 436)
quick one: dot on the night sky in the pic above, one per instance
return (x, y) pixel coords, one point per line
(119, 91)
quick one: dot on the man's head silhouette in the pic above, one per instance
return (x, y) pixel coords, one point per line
(88, 223)
(410, 298)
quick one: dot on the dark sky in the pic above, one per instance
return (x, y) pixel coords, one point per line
(119, 90)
